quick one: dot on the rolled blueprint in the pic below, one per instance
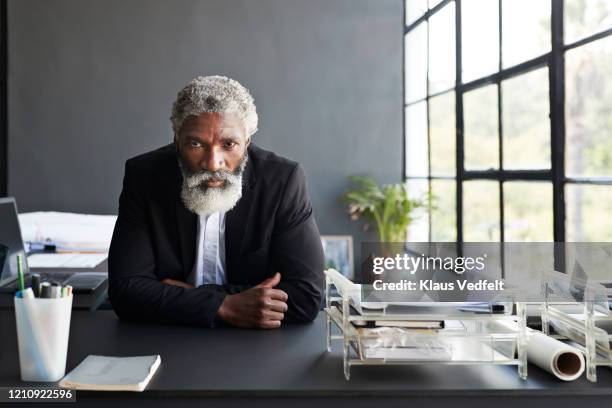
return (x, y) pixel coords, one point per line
(554, 356)
(563, 361)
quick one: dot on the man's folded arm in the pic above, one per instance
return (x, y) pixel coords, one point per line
(134, 290)
(297, 252)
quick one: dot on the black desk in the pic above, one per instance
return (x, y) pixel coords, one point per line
(290, 366)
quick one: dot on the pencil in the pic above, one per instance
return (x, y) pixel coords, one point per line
(20, 272)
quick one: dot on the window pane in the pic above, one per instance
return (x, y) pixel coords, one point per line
(525, 30)
(443, 215)
(526, 122)
(481, 136)
(414, 10)
(480, 38)
(415, 62)
(583, 18)
(588, 110)
(434, 3)
(416, 140)
(442, 50)
(481, 211)
(528, 212)
(418, 230)
(442, 134)
(589, 213)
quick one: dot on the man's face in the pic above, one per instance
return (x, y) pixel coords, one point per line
(212, 142)
(212, 150)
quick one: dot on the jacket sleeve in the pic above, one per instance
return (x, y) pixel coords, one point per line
(135, 290)
(297, 252)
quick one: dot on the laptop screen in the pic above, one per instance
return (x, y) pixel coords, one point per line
(11, 243)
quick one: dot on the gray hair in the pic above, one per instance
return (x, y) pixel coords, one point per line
(214, 94)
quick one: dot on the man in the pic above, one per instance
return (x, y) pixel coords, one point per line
(212, 228)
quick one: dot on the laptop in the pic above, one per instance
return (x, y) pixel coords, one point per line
(11, 245)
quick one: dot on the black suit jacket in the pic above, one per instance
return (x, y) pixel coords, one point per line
(270, 229)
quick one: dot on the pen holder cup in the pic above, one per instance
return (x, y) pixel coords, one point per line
(43, 326)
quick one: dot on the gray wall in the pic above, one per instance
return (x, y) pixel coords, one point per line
(91, 84)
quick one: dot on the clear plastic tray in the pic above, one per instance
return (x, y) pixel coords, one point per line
(579, 328)
(467, 337)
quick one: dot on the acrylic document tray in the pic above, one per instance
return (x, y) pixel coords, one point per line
(420, 333)
(577, 310)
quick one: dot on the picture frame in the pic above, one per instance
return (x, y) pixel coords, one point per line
(338, 251)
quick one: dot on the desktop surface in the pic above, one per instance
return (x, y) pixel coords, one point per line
(290, 362)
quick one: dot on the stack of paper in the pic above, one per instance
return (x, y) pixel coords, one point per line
(69, 260)
(402, 344)
(68, 231)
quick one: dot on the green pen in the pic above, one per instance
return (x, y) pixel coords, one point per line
(20, 272)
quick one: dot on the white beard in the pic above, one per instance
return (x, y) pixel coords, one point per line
(202, 200)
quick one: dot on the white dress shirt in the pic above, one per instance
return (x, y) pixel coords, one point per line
(209, 266)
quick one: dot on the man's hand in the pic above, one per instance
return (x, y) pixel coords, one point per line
(261, 307)
(180, 284)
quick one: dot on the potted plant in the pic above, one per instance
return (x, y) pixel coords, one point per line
(391, 210)
(388, 206)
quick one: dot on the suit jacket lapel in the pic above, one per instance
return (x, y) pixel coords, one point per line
(187, 226)
(187, 223)
(236, 222)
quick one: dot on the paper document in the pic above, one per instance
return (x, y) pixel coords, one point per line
(90, 232)
(101, 373)
(66, 260)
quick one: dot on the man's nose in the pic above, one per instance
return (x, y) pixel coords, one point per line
(213, 161)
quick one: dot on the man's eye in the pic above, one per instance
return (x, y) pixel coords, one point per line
(229, 145)
(194, 143)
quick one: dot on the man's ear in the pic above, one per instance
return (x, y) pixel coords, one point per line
(248, 141)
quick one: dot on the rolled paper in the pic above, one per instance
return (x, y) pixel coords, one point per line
(554, 356)
(563, 361)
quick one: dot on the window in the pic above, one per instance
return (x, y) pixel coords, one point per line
(525, 30)
(480, 129)
(525, 121)
(480, 38)
(508, 123)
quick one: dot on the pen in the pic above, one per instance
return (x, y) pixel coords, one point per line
(45, 290)
(27, 294)
(20, 272)
(482, 308)
(42, 247)
(36, 284)
(68, 290)
(55, 290)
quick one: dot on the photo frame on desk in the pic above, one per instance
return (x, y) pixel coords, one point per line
(338, 251)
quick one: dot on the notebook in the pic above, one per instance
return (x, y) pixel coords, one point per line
(101, 373)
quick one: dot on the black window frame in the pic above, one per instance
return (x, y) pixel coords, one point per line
(554, 60)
